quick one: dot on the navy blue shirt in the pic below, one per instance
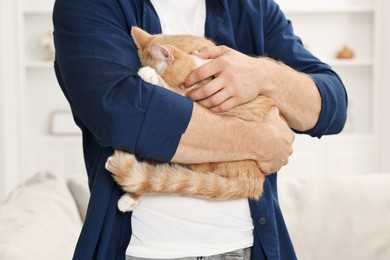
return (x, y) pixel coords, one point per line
(96, 66)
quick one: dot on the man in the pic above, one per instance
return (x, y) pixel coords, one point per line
(96, 65)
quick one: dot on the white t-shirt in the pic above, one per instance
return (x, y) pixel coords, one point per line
(181, 17)
(167, 226)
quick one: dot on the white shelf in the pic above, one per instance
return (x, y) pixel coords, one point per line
(39, 64)
(37, 11)
(37, 7)
(54, 140)
(335, 139)
(327, 9)
(350, 62)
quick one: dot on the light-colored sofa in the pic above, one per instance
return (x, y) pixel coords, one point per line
(338, 218)
(329, 218)
(42, 218)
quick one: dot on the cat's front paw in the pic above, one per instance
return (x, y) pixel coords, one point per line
(149, 75)
(126, 203)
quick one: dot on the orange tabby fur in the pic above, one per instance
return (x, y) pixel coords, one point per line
(169, 56)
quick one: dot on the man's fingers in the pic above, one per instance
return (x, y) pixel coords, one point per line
(215, 100)
(205, 91)
(273, 110)
(210, 69)
(206, 71)
(210, 52)
(280, 148)
(268, 168)
(272, 166)
(225, 106)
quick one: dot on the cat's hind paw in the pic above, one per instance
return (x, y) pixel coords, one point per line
(119, 164)
(126, 203)
(149, 75)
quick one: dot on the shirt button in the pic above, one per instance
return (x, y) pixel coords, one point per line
(262, 221)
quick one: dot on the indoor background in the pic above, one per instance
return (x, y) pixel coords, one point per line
(37, 133)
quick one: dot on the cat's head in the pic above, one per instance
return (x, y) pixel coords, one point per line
(168, 54)
(171, 63)
(142, 40)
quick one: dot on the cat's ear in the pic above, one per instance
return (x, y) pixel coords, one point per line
(140, 37)
(163, 57)
(161, 53)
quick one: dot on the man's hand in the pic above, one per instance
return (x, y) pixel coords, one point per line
(275, 143)
(239, 78)
(236, 79)
(211, 137)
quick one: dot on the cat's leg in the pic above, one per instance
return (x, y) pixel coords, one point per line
(128, 201)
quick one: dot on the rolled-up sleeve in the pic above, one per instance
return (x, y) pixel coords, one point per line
(282, 44)
(96, 65)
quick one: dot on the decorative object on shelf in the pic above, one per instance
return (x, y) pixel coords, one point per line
(47, 44)
(345, 53)
(61, 123)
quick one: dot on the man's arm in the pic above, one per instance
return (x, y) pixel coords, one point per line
(240, 78)
(295, 93)
(309, 93)
(210, 137)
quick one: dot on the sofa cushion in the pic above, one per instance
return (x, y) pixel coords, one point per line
(78, 186)
(39, 220)
(339, 218)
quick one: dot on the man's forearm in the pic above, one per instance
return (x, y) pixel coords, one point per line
(214, 138)
(211, 138)
(295, 93)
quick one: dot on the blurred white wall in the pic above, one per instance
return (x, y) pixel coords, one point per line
(385, 95)
(9, 107)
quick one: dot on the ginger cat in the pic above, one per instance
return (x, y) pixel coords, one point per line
(168, 63)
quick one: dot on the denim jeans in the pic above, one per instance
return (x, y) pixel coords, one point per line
(241, 254)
